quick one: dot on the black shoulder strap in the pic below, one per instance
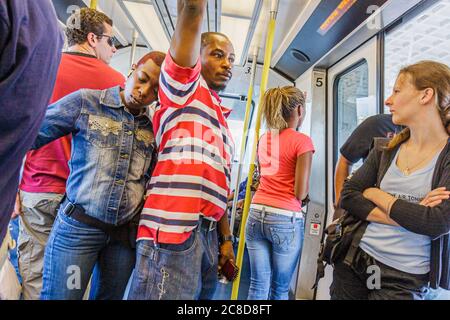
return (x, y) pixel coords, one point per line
(360, 229)
(385, 159)
(379, 144)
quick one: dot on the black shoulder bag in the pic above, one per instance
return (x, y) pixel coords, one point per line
(345, 233)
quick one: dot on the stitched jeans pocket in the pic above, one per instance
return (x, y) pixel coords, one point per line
(283, 236)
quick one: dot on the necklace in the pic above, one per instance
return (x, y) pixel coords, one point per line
(408, 169)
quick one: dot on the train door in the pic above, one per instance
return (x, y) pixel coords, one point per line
(351, 97)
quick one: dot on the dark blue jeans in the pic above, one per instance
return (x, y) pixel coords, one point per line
(186, 271)
(73, 249)
(274, 244)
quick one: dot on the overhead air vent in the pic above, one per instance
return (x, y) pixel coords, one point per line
(300, 56)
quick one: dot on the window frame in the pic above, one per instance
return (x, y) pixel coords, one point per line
(335, 104)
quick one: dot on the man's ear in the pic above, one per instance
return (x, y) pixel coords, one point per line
(92, 39)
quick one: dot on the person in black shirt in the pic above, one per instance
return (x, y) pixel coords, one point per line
(358, 146)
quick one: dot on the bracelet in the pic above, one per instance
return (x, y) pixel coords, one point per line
(227, 238)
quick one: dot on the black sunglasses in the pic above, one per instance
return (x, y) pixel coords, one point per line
(110, 39)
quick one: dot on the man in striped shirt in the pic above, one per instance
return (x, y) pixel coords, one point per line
(177, 254)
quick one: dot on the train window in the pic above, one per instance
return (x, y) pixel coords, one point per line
(351, 92)
(424, 37)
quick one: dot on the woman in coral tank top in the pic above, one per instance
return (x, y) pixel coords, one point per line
(275, 227)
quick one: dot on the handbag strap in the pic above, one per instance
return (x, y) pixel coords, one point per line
(379, 144)
(360, 229)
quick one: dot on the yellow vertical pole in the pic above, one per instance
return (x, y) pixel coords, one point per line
(244, 138)
(93, 4)
(263, 87)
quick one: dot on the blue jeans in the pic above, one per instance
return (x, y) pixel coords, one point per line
(186, 271)
(274, 244)
(72, 250)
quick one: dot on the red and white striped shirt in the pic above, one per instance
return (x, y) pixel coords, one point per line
(192, 175)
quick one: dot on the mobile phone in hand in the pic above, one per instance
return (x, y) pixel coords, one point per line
(229, 270)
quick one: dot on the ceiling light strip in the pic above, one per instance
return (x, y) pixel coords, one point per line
(251, 30)
(218, 14)
(172, 25)
(207, 17)
(168, 28)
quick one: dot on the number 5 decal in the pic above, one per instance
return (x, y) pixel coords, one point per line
(319, 82)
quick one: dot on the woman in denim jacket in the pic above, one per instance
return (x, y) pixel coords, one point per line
(405, 247)
(275, 227)
(111, 153)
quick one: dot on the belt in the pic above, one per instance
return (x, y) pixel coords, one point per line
(124, 233)
(78, 213)
(207, 224)
(282, 212)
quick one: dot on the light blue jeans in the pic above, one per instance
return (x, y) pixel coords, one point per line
(72, 250)
(274, 244)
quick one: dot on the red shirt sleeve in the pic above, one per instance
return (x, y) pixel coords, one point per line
(178, 84)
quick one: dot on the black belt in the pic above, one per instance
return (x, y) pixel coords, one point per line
(206, 224)
(124, 233)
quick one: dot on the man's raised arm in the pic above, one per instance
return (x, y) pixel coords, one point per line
(185, 44)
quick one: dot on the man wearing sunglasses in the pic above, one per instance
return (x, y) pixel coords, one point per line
(83, 65)
(103, 45)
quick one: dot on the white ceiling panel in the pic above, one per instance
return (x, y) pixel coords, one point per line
(238, 8)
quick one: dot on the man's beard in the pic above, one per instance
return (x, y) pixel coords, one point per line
(218, 87)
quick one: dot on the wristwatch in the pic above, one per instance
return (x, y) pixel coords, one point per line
(227, 238)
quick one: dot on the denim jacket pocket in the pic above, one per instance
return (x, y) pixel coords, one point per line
(143, 146)
(144, 142)
(104, 132)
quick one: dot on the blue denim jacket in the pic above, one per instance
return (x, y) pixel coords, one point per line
(111, 152)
